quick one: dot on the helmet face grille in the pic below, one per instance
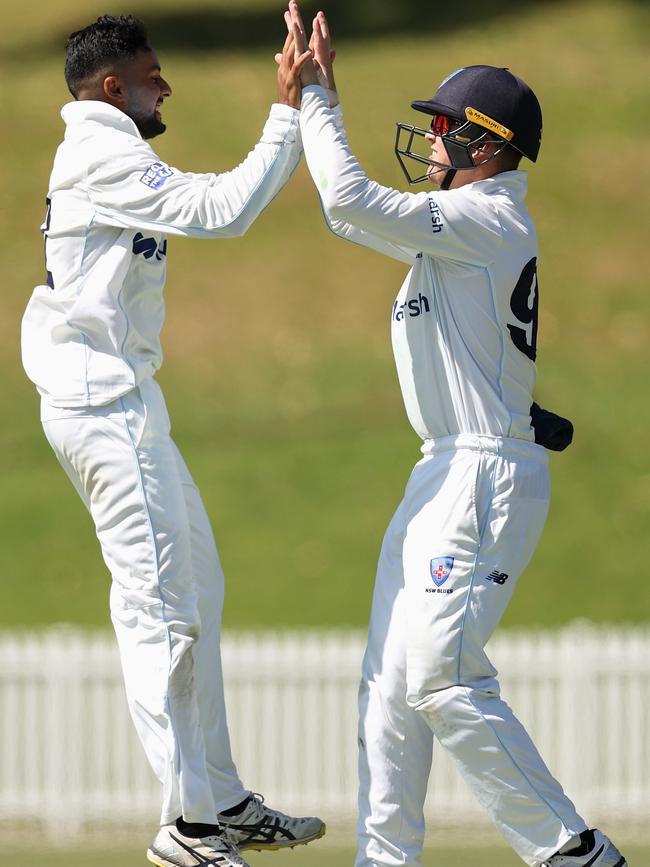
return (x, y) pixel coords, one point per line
(411, 143)
(405, 147)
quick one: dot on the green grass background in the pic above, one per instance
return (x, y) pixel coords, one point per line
(312, 856)
(278, 368)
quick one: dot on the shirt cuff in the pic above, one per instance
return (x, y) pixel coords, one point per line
(282, 124)
(317, 90)
(283, 111)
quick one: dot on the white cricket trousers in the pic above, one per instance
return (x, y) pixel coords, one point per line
(166, 594)
(483, 502)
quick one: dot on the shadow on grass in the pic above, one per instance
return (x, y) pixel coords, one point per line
(203, 29)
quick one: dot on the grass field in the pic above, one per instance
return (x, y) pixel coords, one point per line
(278, 368)
(322, 856)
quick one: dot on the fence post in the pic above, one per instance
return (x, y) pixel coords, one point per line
(69, 754)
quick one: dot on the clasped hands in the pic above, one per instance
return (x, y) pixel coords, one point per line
(301, 63)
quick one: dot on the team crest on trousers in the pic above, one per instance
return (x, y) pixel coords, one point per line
(441, 569)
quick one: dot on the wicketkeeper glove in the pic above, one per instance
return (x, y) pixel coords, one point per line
(551, 430)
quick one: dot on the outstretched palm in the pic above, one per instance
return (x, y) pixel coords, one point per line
(321, 48)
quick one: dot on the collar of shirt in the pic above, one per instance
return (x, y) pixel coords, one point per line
(515, 183)
(101, 112)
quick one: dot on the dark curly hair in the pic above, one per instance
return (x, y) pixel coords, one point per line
(110, 40)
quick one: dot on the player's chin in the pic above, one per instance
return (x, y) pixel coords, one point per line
(436, 175)
(152, 128)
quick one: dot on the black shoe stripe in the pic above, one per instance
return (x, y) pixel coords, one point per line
(200, 858)
(265, 832)
(596, 856)
(621, 863)
(209, 862)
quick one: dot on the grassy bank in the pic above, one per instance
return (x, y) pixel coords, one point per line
(278, 368)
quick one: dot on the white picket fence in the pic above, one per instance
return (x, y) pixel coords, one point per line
(69, 756)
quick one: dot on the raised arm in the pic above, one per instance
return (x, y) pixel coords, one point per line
(451, 224)
(134, 188)
(322, 71)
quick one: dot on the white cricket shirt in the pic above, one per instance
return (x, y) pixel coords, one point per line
(464, 322)
(93, 332)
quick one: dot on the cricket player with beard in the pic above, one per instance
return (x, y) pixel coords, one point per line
(91, 344)
(464, 328)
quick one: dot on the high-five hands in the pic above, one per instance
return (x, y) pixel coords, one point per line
(320, 69)
(293, 19)
(320, 45)
(291, 62)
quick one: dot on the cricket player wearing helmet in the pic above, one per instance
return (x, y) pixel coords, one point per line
(464, 329)
(91, 344)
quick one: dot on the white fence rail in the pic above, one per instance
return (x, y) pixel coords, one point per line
(69, 756)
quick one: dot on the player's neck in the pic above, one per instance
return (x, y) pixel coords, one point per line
(471, 176)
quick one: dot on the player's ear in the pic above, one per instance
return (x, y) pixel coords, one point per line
(486, 149)
(113, 87)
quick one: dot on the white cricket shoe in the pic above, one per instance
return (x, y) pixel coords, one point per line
(259, 827)
(173, 849)
(596, 850)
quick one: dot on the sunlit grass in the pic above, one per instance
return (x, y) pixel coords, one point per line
(278, 365)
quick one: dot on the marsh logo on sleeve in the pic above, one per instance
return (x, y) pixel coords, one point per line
(156, 175)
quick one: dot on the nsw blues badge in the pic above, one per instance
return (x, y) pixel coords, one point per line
(441, 569)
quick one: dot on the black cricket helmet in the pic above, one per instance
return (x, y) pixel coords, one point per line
(482, 104)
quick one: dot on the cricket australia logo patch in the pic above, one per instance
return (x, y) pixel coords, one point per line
(156, 175)
(440, 568)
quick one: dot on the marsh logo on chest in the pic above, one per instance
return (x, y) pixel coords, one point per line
(413, 307)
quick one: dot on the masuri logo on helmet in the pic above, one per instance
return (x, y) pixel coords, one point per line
(483, 120)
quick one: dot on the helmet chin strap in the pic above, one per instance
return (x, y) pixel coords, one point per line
(448, 178)
(459, 157)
